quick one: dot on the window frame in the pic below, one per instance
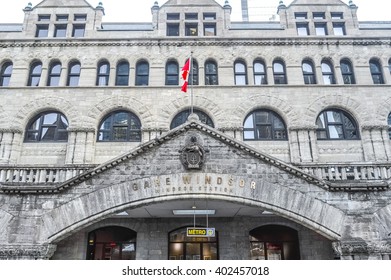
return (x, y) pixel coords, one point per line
(327, 124)
(5, 73)
(261, 75)
(131, 117)
(328, 74)
(280, 78)
(211, 76)
(172, 29)
(142, 76)
(54, 76)
(377, 76)
(78, 30)
(274, 118)
(34, 77)
(172, 79)
(42, 31)
(309, 77)
(239, 74)
(58, 28)
(119, 75)
(347, 74)
(73, 75)
(41, 126)
(102, 76)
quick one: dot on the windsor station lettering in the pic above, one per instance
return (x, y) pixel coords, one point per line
(193, 182)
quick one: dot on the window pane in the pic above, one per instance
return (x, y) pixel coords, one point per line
(320, 122)
(335, 132)
(240, 80)
(78, 30)
(264, 132)
(259, 67)
(240, 68)
(260, 80)
(263, 118)
(334, 117)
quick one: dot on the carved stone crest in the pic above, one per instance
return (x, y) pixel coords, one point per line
(193, 154)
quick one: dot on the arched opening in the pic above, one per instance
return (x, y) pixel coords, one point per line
(112, 243)
(183, 247)
(274, 242)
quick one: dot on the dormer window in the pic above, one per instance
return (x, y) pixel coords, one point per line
(336, 15)
(302, 29)
(78, 30)
(80, 17)
(173, 16)
(191, 16)
(209, 16)
(319, 16)
(301, 16)
(42, 31)
(62, 17)
(339, 29)
(173, 29)
(44, 18)
(191, 29)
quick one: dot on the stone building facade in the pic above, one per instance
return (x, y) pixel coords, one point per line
(286, 156)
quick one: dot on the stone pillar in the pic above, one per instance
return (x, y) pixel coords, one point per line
(10, 144)
(375, 143)
(27, 252)
(155, 15)
(303, 147)
(81, 146)
(227, 14)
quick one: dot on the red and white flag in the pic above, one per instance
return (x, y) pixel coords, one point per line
(185, 74)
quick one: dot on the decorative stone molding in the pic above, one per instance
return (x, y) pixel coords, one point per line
(348, 248)
(11, 130)
(27, 252)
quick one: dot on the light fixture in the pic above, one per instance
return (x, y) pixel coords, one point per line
(193, 212)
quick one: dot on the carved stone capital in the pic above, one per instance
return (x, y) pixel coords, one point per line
(347, 248)
(27, 252)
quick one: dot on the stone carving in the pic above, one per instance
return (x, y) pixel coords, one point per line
(193, 154)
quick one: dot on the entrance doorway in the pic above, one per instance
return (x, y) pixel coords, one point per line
(182, 247)
(274, 242)
(112, 243)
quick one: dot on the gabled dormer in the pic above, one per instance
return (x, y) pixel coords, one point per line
(189, 18)
(62, 19)
(319, 18)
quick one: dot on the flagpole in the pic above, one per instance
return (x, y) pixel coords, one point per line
(191, 84)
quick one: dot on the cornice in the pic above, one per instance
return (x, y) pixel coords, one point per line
(180, 42)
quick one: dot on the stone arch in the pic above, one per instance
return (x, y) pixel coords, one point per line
(347, 104)
(120, 102)
(202, 103)
(382, 111)
(281, 107)
(79, 213)
(39, 105)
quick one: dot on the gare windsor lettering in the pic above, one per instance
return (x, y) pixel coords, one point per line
(193, 182)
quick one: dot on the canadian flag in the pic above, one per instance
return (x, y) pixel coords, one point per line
(185, 75)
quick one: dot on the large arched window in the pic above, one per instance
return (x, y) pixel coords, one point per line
(308, 72)
(347, 72)
(279, 72)
(47, 127)
(182, 117)
(74, 74)
(5, 74)
(336, 124)
(183, 247)
(122, 75)
(103, 73)
(112, 243)
(211, 75)
(264, 125)
(54, 74)
(35, 74)
(274, 242)
(142, 73)
(328, 73)
(240, 69)
(120, 126)
(376, 71)
(260, 77)
(172, 73)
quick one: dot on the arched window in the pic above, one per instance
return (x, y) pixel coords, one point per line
(35, 74)
(74, 74)
(172, 73)
(260, 77)
(347, 72)
(183, 247)
(328, 73)
(120, 126)
(182, 117)
(103, 73)
(336, 124)
(376, 71)
(389, 125)
(194, 74)
(240, 73)
(264, 125)
(122, 75)
(54, 74)
(142, 73)
(5, 74)
(279, 73)
(211, 77)
(112, 243)
(274, 242)
(47, 127)
(308, 72)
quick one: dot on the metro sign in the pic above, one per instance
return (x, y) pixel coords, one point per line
(201, 232)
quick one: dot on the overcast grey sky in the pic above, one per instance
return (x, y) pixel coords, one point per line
(139, 10)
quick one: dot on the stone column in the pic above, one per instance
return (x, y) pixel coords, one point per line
(303, 146)
(375, 143)
(10, 144)
(27, 252)
(81, 146)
